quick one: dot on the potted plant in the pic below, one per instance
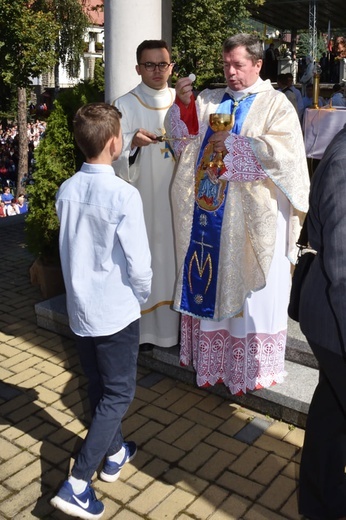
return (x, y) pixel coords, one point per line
(99, 47)
(54, 163)
(56, 159)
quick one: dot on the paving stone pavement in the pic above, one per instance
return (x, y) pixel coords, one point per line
(200, 456)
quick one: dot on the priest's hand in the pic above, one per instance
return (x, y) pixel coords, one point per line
(183, 89)
(143, 138)
(218, 139)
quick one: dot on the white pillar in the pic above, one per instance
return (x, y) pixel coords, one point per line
(127, 24)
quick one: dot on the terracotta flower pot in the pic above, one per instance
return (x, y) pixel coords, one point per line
(48, 276)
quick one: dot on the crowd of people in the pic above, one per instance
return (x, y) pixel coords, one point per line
(8, 154)
(302, 97)
(9, 204)
(329, 62)
(303, 101)
(9, 147)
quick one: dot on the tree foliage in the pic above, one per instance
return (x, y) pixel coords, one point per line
(35, 35)
(8, 101)
(99, 76)
(27, 48)
(304, 46)
(27, 41)
(73, 21)
(199, 28)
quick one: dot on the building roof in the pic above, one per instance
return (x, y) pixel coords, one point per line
(94, 9)
(294, 14)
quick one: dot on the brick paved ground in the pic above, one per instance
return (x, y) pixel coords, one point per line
(200, 456)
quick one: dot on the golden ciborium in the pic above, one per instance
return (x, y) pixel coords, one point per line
(218, 123)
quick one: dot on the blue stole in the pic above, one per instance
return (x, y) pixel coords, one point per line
(202, 257)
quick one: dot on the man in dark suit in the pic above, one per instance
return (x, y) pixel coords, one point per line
(270, 63)
(322, 317)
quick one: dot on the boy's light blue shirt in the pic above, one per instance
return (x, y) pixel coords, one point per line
(104, 251)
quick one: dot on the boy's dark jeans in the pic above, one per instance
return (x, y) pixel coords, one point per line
(110, 364)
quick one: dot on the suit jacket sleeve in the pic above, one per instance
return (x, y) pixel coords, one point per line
(333, 228)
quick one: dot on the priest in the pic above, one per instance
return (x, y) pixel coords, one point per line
(239, 198)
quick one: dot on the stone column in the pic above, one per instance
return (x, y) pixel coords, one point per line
(127, 24)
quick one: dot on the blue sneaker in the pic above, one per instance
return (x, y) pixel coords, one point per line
(111, 470)
(85, 505)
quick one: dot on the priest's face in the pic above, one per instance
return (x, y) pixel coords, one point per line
(239, 69)
(157, 78)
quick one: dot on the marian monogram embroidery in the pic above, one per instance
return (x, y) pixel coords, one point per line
(203, 266)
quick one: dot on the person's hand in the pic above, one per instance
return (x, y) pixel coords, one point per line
(218, 139)
(143, 138)
(183, 89)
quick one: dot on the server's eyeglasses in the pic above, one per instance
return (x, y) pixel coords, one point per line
(148, 65)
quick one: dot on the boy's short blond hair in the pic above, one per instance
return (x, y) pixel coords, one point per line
(94, 124)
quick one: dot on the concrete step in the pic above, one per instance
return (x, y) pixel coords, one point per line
(288, 401)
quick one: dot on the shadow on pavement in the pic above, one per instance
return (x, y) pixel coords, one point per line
(55, 443)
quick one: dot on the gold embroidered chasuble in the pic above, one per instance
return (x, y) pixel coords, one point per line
(250, 213)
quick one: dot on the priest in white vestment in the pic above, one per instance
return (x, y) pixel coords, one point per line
(148, 164)
(237, 222)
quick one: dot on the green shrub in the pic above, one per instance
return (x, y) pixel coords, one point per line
(56, 158)
(54, 163)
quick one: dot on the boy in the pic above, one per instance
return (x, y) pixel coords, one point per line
(7, 196)
(106, 266)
